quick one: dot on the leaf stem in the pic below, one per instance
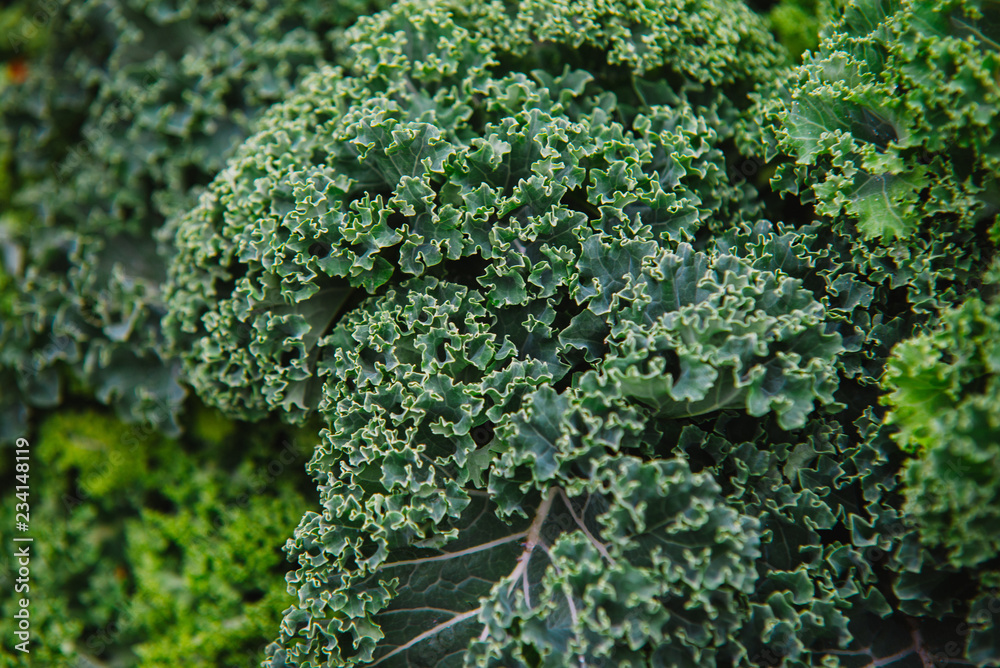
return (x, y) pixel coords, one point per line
(430, 632)
(532, 540)
(583, 527)
(460, 553)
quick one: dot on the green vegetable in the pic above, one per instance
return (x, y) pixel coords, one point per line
(944, 390)
(119, 124)
(152, 551)
(617, 333)
(470, 227)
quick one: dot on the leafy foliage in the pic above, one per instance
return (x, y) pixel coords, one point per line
(739, 337)
(628, 341)
(127, 110)
(399, 167)
(797, 23)
(944, 389)
(888, 128)
(525, 298)
(156, 551)
(879, 134)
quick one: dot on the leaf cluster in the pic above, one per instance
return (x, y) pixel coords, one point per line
(627, 342)
(156, 551)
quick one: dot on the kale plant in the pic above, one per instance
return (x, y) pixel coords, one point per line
(585, 403)
(630, 336)
(130, 108)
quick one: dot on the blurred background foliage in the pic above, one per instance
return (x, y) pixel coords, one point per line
(152, 550)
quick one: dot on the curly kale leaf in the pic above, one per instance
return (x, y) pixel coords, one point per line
(892, 121)
(126, 111)
(704, 332)
(645, 553)
(423, 155)
(944, 397)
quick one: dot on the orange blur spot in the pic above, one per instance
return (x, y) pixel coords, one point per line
(17, 70)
